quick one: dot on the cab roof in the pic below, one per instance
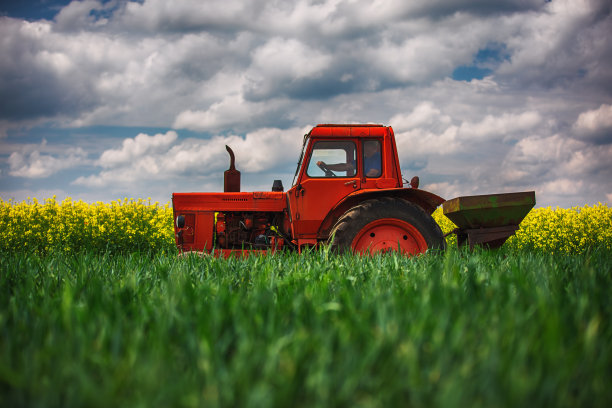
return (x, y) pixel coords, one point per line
(348, 130)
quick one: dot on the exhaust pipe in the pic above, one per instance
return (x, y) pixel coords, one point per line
(231, 177)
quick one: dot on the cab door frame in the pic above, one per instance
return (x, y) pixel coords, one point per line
(311, 198)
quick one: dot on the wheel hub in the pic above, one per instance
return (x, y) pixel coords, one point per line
(389, 235)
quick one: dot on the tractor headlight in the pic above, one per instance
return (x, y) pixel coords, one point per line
(180, 221)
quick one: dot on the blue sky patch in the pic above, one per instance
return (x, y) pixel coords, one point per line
(467, 73)
(484, 63)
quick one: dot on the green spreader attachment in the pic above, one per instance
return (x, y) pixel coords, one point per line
(488, 220)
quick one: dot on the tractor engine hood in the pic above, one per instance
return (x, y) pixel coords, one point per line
(273, 201)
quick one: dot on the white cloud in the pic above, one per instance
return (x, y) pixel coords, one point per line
(549, 161)
(595, 120)
(501, 126)
(233, 111)
(31, 163)
(418, 59)
(534, 157)
(589, 161)
(424, 115)
(158, 157)
(595, 124)
(189, 15)
(558, 47)
(562, 186)
(426, 130)
(137, 147)
(447, 190)
(78, 15)
(421, 142)
(290, 58)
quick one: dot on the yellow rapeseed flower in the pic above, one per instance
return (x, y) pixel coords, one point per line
(129, 225)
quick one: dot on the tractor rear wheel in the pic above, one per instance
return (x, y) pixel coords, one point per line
(386, 225)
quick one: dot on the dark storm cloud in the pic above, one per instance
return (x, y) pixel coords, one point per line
(35, 81)
(99, 77)
(219, 17)
(566, 47)
(442, 8)
(37, 93)
(344, 76)
(300, 51)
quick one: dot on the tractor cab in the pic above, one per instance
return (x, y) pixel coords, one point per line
(338, 161)
(362, 152)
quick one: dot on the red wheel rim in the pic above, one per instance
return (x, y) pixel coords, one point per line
(387, 235)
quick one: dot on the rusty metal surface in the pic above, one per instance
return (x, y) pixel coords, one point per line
(490, 238)
(490, 210)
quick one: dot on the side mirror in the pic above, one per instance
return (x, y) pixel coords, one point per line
(414, 182)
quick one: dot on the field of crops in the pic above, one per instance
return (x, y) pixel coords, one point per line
(112, 317)
(136, 225)
(74, 226)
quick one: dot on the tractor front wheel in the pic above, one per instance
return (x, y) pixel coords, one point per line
(386, 225)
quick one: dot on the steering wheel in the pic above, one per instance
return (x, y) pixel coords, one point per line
(328, 172)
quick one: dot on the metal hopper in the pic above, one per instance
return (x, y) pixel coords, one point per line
(488, 220)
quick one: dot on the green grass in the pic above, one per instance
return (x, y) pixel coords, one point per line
(457, 329)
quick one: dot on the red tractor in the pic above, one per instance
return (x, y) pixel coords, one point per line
(348, 191)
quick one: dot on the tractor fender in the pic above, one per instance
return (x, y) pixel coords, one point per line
(424, 199)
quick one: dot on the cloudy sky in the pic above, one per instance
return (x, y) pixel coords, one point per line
(101, 100)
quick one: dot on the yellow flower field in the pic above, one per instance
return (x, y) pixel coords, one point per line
(130, 225)
(71, 226)
(564, 231)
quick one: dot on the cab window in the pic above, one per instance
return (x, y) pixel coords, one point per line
(372, 160)
(333, 159)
